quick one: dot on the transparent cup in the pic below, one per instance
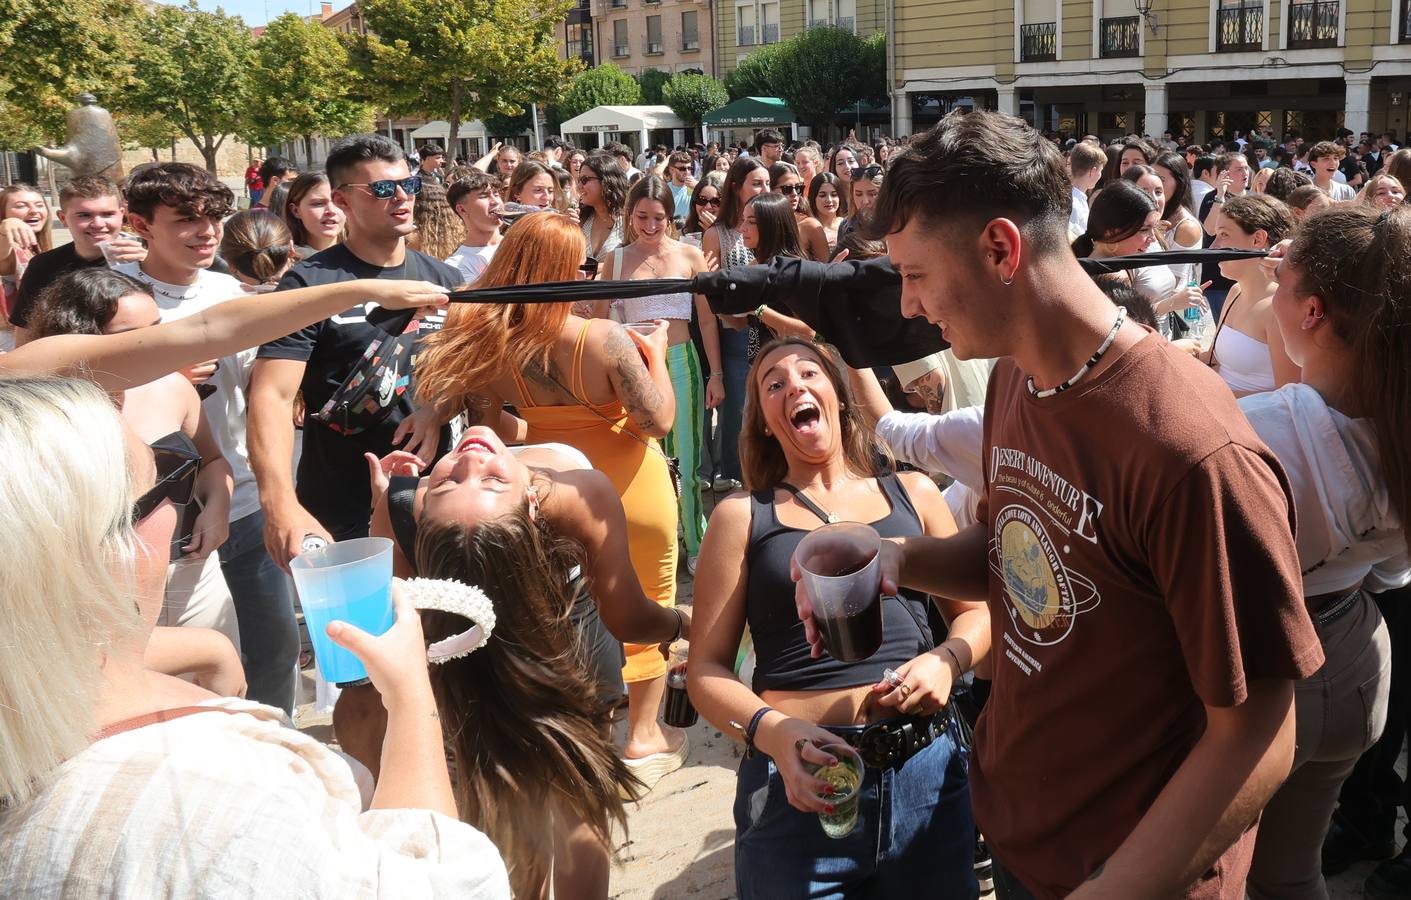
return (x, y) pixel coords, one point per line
(350, 581)
(842, 573)
(107, 254)
(642, 328)
(846, 778)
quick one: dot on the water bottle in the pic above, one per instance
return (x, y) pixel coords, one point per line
(1191, 314)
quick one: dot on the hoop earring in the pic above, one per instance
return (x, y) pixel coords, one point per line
(1009, 283)
(1319, 315)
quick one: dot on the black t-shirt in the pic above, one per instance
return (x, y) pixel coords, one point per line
(44, 270)
(332, 476)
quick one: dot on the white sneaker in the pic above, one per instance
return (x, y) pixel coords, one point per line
(691, 564)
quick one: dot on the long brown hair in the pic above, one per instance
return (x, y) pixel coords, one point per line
(439, 230)
(761, 456)
(521, 713)
(648, 187)
(298, 189)
(1358, 260)
(482, 341)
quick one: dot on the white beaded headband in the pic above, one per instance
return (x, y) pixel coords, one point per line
(460, 600)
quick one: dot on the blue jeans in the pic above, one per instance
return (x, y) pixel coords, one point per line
(733, 347)
(264, 608)
(915, 836)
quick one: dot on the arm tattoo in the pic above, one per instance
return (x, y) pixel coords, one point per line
(928, 390)
(636, 390)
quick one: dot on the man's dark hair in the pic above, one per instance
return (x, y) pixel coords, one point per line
(276, 167)
(355, 149)
(975, 167)
(88, 187)
(182, 186)
(617, 148)
(431, 150)
(1138, 307)
(766, 136)
(554, 143)
(473, 182)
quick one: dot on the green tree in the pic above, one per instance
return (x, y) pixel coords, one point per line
(754, 76)
(692, 96)
(299, 85)
(50, 51)
(652, 82)
(824, 70)
(604, 85)
(150, 130)
(461, 58)
(193, 67)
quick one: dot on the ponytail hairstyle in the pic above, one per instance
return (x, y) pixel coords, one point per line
(528, 736)
(1117, 212)
(1358, 261)
(257, 245)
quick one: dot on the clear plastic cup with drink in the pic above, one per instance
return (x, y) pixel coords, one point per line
(842, 573)
(109, 252)
(350, 581)
(845, 778)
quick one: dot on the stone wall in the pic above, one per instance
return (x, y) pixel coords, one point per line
(231, 159)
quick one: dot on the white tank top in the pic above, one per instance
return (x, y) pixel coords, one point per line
(1243, 362)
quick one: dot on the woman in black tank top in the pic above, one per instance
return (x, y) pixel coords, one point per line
(809, 458)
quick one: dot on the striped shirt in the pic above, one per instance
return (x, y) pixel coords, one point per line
(215, 805)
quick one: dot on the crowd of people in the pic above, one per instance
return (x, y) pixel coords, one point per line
(1178, 669)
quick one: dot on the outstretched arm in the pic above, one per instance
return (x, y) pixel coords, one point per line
(120, 361)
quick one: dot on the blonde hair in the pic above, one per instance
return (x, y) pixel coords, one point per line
(66, 572)
(1365, 195)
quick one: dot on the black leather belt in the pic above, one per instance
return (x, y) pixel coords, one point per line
(1336, 608)
(890, 743)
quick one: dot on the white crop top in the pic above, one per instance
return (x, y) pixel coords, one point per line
(656, 306)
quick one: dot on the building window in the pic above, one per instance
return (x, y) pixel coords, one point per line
(619, 38)
(1313, 24)
(654, 35)
(1121, 36)
(818, 13)
(769, 23)
(1110, 121)
(690, 31)
(744, 26)
(1239, 25)
(1038, 43)
(580, 42)
(847, 15)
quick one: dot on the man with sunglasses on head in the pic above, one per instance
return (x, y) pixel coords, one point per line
(372, 184)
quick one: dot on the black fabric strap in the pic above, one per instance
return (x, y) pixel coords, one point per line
(805, 501)
(401, 509)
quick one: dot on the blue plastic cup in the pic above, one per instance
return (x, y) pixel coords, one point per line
(350, 581)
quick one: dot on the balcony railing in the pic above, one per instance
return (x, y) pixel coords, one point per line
(690, 44)
(817, 23)
(1313, 24)
(745, 38)
(1038, 43)
(653, 48)
(846, 23)
(1239, 28)
(769, 34)
(1122, 37)
(620, 50)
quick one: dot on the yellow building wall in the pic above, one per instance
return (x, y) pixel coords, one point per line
(954, 33)
(1077, 30)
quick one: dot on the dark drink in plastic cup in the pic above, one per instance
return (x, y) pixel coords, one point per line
(842, 574)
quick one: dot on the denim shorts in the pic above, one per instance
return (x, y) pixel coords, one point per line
(915, 835)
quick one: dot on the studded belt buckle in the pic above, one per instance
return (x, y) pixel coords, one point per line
(877, 746)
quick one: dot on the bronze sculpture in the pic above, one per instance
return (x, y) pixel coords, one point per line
(94, 147)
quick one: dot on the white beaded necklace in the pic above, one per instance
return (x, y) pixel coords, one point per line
(1092, 361)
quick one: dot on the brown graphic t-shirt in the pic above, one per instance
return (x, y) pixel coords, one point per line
(1143, 565)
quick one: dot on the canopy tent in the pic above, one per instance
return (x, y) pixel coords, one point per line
(753, 112)
(627, 119)
(440, 130)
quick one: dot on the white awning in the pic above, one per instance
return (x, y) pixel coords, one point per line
(622, 118)
(441, 130)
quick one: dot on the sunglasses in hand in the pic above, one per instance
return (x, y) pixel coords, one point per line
(387, 187)
(178, 462)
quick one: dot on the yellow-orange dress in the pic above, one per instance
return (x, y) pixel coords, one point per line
(642, 479)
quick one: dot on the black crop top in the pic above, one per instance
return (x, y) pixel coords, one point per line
(782, 654)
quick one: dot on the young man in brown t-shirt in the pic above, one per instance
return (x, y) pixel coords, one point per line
(1135, 546)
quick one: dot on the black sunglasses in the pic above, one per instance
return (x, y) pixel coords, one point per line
(789, 189)
(707, 201)
(387, 187)
(589, 266)
(682, 168)
(178, 462)
(869, 172)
